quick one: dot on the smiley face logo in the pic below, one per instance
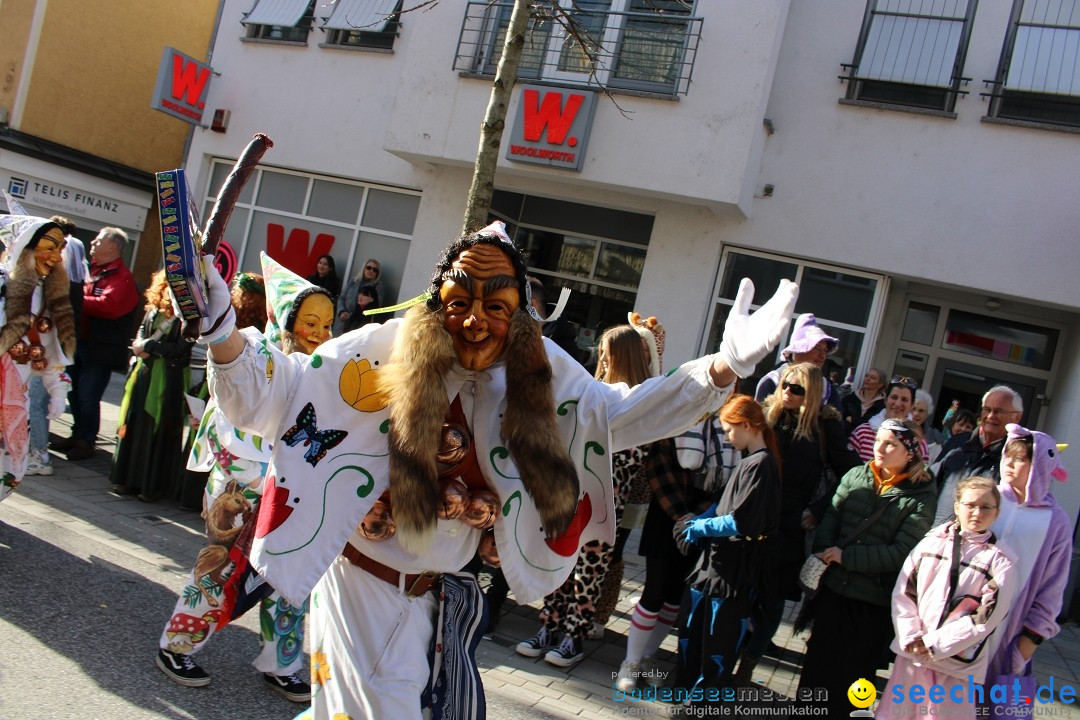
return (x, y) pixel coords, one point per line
(862, 694)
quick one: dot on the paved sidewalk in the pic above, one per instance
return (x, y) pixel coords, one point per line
(160, 533)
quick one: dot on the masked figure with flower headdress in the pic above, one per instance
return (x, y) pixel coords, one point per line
(403, 447)
(37, 332)
(298, 316)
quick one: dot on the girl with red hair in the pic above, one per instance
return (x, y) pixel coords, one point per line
(733, 568)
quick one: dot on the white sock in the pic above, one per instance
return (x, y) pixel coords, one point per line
(664, 621)
(642, 623)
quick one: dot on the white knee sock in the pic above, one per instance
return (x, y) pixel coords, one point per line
(664, 621)
(642, 623)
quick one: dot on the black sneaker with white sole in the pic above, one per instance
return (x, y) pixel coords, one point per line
(291, 686)
(181, 669)
(538, 644)
(568, 653)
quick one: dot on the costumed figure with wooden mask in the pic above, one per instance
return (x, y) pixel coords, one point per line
(403, 447)
(37, 332)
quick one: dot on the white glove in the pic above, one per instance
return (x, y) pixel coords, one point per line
(222, 317)
(749, 338)
(57, 405)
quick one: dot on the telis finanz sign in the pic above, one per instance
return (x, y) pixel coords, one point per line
(552, 127)
(181, 87)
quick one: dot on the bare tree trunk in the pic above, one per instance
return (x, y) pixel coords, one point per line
(487, 156)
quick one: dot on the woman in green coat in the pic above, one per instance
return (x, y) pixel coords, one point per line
(879, 513)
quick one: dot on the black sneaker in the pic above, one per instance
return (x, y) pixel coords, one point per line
(537, 645)
(181, 669)
(291, 686)
(567, 654)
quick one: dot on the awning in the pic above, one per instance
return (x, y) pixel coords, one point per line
(364, 15)
(286, 13)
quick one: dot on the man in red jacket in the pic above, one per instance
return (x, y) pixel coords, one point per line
(110, 301)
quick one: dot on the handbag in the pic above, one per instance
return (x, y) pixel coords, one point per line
(810, 574)
(813, 568)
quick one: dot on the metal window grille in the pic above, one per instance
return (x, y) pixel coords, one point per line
(1038, 78)
(911, 52)
(649, 46)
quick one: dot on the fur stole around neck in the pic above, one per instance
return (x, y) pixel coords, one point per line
(414, 381)
(20, 291)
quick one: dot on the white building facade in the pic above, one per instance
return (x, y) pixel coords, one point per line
(912, 164)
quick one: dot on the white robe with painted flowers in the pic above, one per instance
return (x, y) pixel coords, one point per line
(336, 466)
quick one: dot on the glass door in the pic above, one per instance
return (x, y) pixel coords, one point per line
(968, 383)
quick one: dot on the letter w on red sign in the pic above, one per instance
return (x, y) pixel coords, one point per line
(298, 253)
(549, 113)
(188, 81)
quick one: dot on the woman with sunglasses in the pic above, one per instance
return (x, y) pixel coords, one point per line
(809, 436)
(899, 399)
(351, 306)
(878, 514)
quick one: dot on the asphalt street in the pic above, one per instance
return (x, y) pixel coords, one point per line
(79, 624)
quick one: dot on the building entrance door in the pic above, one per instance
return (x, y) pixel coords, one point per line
(967, 383)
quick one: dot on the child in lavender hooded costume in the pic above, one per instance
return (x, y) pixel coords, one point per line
(1041, 531)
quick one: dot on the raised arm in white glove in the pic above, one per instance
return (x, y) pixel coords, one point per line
(222, 318)
(749, 338)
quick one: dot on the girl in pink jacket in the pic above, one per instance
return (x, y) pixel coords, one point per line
(955, 588)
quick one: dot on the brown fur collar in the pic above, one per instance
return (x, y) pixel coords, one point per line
(530, 431)
(414, 381)
(20, 290)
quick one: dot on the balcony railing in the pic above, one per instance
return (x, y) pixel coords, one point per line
(650, 50)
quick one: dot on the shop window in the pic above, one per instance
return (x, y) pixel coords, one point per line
(282, 20)
(843, 301)
(392, 211)
(1038, 78)
(911, 53)
(645, 45)
(920, 323)
(997, 339)
(298, 216)
(598, 253)
(282, 191)
(372, 24)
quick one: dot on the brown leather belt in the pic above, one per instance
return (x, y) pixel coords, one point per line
(415, 585)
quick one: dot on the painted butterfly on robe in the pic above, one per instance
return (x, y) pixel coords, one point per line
(306, 431)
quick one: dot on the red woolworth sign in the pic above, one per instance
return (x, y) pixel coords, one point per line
(181, 87)
(297, 252)
(552, 127)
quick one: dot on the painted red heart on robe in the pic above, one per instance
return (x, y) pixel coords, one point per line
(273, 510)
(569, 543)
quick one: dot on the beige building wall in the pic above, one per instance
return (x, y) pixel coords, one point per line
(16, 19)
(94, 72)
